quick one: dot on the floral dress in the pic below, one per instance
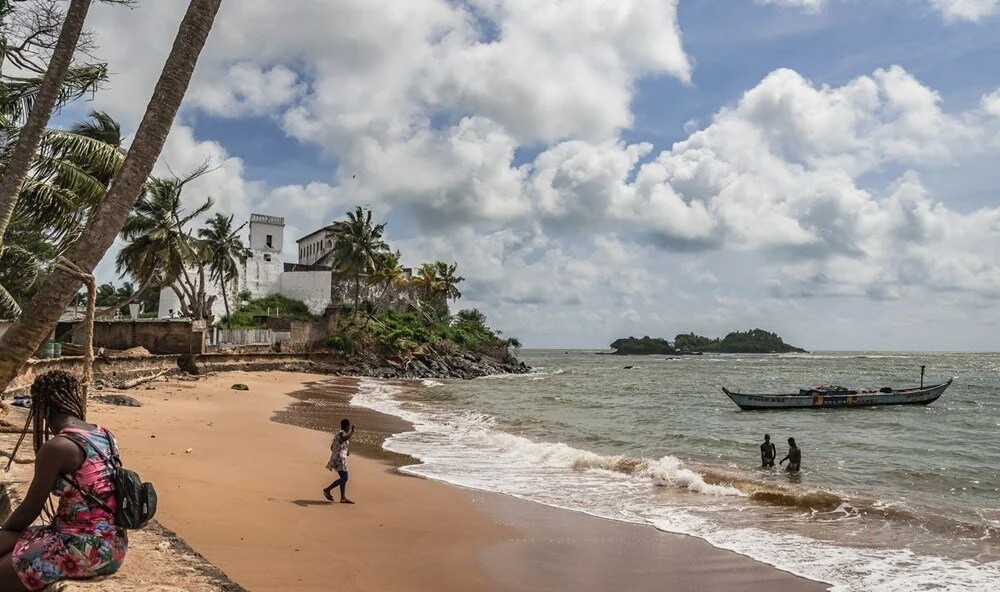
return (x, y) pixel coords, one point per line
(339, 449)
(82, 541)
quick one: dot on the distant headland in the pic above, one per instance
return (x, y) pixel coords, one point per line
(756, 341)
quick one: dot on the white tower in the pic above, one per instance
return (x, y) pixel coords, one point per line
(264, 267)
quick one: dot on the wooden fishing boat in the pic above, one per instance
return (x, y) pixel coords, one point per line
(837, 397)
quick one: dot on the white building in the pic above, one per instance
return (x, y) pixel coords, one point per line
(265, 273)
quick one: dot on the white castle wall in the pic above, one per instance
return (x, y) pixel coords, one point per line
(311, 287)
(262, 274)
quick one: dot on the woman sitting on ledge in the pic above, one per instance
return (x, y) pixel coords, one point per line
(82, 540)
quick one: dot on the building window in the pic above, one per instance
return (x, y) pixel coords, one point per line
(267, 257)
(269, 241)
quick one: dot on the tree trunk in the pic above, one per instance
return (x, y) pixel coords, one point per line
(57, 290)
(225, 299)
(45, 102)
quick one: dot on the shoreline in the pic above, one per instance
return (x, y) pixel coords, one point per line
(247, 498)
(514, 563)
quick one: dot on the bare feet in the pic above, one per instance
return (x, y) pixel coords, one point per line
(326, 494)
(344, 500)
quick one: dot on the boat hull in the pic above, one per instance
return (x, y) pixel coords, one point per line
(913, 396)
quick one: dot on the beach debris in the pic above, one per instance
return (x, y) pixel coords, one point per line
(134, 352)
(239, 386)
(120, 400)
(144, 379)
(188, 450)
(187, 364)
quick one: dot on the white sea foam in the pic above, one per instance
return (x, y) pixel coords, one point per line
(469, 449)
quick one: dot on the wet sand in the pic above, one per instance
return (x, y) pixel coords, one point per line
(248, 498)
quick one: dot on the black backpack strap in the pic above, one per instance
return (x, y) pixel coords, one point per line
(90, 496)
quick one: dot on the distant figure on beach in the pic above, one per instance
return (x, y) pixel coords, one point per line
(82, 540)
(794, 457)
(767, 452)
(102, 355)
(340, 449)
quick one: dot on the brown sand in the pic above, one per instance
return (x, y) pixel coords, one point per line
(247, 497)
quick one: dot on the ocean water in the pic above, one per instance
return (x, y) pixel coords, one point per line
(900, 498)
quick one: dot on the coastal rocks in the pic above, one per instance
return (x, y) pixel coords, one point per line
(119, 400)
(240, 387)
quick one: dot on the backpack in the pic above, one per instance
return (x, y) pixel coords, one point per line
(136, 500)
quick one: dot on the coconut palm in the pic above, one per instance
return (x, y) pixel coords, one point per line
(159, 250)
(30, 134)
(447, 280)
(227, 252)
(69, 178)
(48, 303)
(358, 247)
(426, 280)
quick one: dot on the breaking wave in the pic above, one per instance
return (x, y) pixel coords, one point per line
(471, 449)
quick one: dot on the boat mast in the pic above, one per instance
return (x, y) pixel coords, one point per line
(922, 376)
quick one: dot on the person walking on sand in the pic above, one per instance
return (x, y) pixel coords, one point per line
(794, 457)
(767, 452)
(340, 449)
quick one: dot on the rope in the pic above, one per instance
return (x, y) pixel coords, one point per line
(69, 268)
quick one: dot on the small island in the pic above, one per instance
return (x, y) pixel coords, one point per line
(756, 341)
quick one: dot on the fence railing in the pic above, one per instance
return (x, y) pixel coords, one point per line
(241, 337)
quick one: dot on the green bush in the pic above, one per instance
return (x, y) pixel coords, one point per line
(341, 343)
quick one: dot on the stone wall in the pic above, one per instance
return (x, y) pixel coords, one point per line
(159, 337)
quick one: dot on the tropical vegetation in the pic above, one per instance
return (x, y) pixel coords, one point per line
(57, 290)
(737, 342)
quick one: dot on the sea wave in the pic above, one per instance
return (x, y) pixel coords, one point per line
(472, 450)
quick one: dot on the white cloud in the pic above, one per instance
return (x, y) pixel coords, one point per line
(813, 5)
(966, 10)
(247, 89)
(950, 10)
(498, 124)
(991, 103)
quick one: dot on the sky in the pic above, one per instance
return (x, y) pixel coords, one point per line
(825, 169)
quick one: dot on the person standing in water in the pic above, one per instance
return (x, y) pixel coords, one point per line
(767, 452)
(794, 457)
(340, 449)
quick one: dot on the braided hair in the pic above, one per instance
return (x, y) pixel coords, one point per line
(54, 391)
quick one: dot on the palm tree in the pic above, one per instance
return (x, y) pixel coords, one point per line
(358, 247)
(48, 303)
(30, 134)
(69, 178)
(447, 280)
(427, 280)
(159, 251)
(227, 252)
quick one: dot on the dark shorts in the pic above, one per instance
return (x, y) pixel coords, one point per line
(793, 467)
(767, 462)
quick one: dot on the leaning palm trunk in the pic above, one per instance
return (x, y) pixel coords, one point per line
(31, 134)
(23, 338)
(225, 298)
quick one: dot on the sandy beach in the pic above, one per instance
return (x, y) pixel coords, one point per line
(247, 497)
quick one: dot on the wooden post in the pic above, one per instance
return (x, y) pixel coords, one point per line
(922, 376)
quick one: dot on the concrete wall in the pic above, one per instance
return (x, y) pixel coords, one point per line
(311, 287)
(159, 337)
